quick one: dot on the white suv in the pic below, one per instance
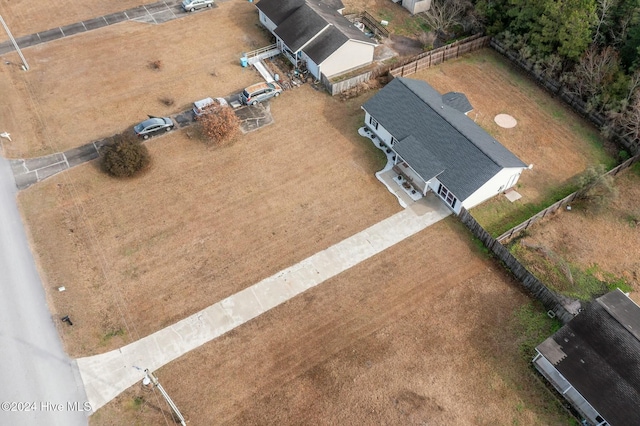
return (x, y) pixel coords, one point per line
(191, 5)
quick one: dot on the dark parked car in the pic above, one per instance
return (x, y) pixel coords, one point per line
(152, 126)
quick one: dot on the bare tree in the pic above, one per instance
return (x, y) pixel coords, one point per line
(625, 122)
(619, 35)
(630, 121)
(595, 68)
(444, 14)
(603, 7)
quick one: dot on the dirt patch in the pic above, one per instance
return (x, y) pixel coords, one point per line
(394, 340)
(405, 46)
(95, 84)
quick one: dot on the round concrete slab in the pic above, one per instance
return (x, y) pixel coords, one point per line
(505, 120)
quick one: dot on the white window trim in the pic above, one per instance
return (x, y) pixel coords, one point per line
(447, 196)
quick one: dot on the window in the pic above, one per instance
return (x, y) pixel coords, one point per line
(393, 141)
(373, 122)
(447, 196)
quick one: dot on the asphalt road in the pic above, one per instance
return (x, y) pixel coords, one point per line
(39, 383)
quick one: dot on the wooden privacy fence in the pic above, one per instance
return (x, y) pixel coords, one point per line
(450, 51)
(550, 300)
(565, 93)
(559, 204)
(335, 88)
(441, 54)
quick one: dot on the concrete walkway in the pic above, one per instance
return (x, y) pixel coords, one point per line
(105, 376)
(154, 13)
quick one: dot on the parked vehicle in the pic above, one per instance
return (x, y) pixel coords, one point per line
(191, 5)
(152, 126)
(260, 92)
(201, 106)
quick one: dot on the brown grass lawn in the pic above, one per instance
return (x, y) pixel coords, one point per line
(420, 334)
(607, 240)
(558, 143)
(31, 16)
(96, 84)
(202, 224)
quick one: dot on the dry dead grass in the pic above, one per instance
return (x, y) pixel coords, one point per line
(406, 337)
(201, 224)
(31, 16)
(548, 135)
(609, 238)
(96, 84)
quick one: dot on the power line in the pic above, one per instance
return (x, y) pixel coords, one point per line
(149, 377)
(13, 40)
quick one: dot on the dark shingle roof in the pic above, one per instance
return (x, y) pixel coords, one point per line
(322, 47)
(603, 358)
(425, 163)
(469, 155)
(279, 10)
(340, 22)
(458, 101)
(333, 4)
(300, 27)
(299, 21)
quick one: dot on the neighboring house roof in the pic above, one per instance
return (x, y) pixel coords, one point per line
(323, 47)
(468, 155)
(458, 101)
(598, 352)
(300, 27)
(278, 10)
(334, 4)
(299, 22)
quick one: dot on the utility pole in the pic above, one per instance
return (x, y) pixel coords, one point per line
(25, 66)
(151, 378)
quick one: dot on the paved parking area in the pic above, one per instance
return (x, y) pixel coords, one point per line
(154, 13)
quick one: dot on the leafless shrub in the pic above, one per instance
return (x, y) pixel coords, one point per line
(219, 125)
(427, 39)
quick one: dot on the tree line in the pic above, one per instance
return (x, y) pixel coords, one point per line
(591, 46)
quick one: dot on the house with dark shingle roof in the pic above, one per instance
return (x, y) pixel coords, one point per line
(315, 34)
(437, 147)
(594, 361)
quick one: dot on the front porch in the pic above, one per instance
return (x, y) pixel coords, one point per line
(399, 183)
